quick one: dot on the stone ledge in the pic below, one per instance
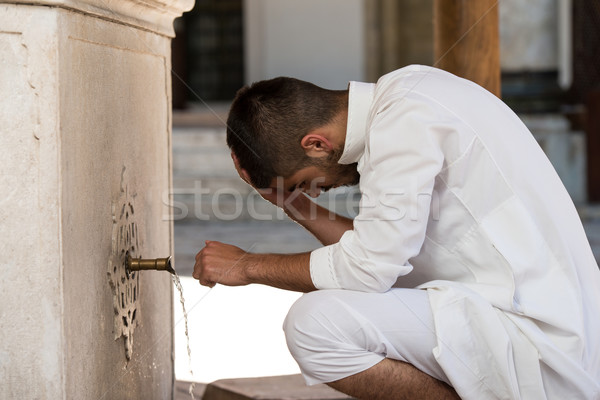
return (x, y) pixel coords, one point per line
(182, 390)
(589, 212)
(153, 15)
(212, 115)
(285, 387)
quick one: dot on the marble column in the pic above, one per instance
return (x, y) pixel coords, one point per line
(85, 141)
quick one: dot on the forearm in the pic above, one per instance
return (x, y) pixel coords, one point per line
(325, 225)
(231, 266)
(284, 271)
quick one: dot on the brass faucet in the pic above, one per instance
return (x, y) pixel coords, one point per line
(159, 264)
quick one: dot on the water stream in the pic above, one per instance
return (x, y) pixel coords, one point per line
(177, 283)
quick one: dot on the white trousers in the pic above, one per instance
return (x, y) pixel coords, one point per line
(333, 334)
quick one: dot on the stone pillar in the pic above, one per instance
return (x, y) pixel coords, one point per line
(466, 40)
(397, 33)
(85, 128)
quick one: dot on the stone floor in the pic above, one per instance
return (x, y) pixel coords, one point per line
(182, 390)
(289, 387)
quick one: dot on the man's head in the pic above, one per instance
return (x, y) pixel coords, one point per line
(285, 127)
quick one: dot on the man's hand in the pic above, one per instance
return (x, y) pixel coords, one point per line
(229, 265)
(327, 227)
(221, 263)
(295, 204)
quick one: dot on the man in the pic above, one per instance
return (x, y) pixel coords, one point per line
(466, 272)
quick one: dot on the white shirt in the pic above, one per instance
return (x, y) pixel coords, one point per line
(458, 199)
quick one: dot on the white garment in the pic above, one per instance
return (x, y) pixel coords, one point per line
(333, 334)
(458, 198)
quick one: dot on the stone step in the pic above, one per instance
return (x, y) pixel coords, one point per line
(288, 387)
(204, 162)
(182, 390)
(213, 115)
(183, 183)
(201, 152)
(190, 138)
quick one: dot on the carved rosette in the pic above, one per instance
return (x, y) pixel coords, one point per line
(125, 285)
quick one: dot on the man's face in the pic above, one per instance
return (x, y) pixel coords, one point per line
(314, 179)
(325, 174)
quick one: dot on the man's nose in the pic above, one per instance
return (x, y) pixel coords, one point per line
(314, 192)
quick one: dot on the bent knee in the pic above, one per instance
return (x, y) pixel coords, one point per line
(321, 333)
(318, 321)
(306, 314)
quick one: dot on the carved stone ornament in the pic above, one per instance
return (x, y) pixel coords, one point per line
(125, 284)
(152, 15)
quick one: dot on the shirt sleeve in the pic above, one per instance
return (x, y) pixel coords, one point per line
(403, 155)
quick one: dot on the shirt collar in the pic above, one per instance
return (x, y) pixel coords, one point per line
(359, 105)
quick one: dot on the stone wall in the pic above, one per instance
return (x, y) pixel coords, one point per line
(86, 142)
(397, 33)
(318, 41)
(528, 35)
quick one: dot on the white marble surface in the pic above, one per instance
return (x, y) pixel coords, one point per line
(84, 97)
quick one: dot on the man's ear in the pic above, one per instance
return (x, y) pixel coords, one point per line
(236, 161)
(316, 144)
(242, 172)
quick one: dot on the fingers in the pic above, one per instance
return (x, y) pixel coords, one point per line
(199, 269)
(206, 269)
(220, 263)
(206, 283)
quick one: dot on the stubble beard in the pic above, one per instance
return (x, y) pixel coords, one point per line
(338, 174)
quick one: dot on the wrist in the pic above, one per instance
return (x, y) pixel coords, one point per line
(251, 267)
(284, 271)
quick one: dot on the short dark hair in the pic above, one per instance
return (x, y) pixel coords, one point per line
(268, 120)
